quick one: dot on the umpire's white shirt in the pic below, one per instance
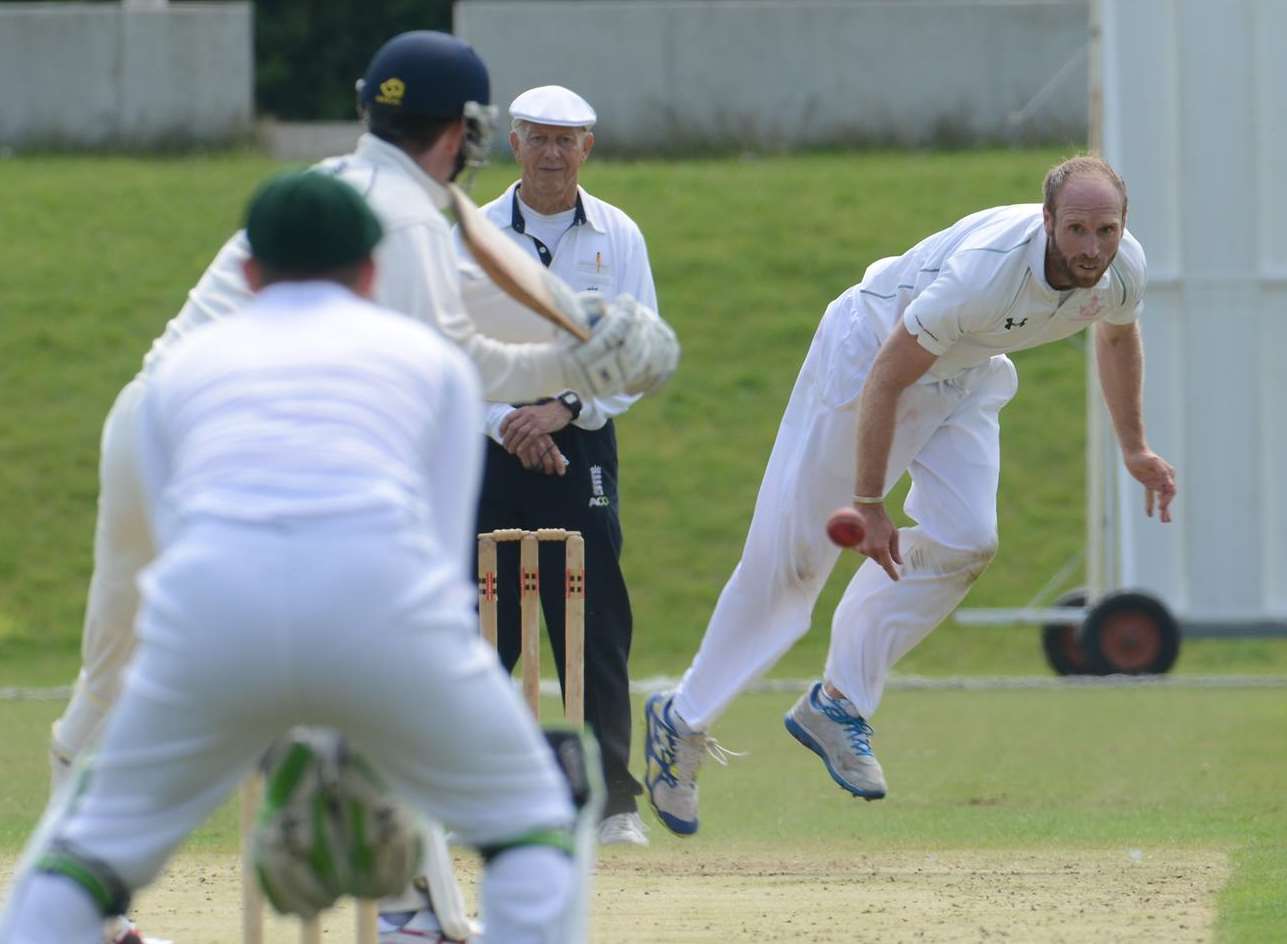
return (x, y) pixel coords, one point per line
(314, 403)
(416, 274)
(978, 289)
(604, 253)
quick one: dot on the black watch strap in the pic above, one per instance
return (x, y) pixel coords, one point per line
(570, 400)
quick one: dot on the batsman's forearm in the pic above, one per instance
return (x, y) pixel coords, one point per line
(1120, 360)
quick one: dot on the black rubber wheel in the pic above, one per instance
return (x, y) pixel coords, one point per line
(1062, 642)
(1130, 633)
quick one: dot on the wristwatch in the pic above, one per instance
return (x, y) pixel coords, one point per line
(570, 400)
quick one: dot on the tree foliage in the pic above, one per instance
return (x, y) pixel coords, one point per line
(308, 53)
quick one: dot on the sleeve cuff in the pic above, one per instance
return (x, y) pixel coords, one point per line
(1125, 317)
(496, 413)
(923, 335)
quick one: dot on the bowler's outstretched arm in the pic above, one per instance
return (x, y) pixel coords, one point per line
(1119, 353)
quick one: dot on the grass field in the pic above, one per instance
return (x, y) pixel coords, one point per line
(746, 255)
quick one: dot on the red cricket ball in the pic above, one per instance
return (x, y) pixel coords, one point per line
(844, 527)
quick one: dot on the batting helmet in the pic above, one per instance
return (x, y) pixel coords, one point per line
(423, 73)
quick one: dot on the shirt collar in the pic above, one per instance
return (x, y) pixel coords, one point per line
(1037, 253)
(293, 294)
(587, 210)
(383, 154)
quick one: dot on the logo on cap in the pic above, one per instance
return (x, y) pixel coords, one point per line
(391, 92)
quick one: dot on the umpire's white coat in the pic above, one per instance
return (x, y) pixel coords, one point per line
(969, 294)
(311, 468)
(604, 253)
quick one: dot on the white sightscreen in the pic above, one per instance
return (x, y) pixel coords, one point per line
(1195, 118)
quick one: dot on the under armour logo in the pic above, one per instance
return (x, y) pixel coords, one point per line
(1011, 323)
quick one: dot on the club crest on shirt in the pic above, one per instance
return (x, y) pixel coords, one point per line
(597, 498)
(1090, 309)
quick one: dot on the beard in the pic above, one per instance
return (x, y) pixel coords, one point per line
(1071, 270)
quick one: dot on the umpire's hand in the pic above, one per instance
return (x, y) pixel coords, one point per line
(525, 433)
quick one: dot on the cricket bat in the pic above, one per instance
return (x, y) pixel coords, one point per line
(516, 273)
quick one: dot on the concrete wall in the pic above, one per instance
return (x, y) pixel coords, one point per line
(670, 74)
(102, 75)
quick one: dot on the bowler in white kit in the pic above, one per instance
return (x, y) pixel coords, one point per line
(907, 373)
(310, 469)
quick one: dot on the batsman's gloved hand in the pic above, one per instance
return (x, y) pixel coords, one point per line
(329, 827)
(631, 350)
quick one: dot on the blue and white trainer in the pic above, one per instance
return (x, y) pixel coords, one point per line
(834, 731)
(672, 754)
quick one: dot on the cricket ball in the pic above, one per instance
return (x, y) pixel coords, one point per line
(844, 527)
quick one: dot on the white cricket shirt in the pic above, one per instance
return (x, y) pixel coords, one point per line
(978, 289)
(314, 403)
(598, 248)
(417, 275)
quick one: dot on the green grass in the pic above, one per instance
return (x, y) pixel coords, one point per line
(746, 254)
(1151, 769)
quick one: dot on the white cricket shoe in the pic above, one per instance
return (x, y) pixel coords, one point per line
(841, 737)
(625, 829)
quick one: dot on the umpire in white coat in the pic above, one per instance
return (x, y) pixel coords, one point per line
(553, 462)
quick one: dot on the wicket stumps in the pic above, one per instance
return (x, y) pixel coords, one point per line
(252, 897)
(529, 597)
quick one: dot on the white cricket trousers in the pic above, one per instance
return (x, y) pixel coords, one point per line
(247, 631)
(123, 546)
(946, 435)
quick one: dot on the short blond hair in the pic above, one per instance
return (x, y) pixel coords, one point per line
(1083, 165)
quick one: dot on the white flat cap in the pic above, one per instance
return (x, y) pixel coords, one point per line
(553, 105)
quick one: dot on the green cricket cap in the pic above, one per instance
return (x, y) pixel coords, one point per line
(308, 223)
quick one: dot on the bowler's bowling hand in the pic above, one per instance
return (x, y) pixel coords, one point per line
(880, 538)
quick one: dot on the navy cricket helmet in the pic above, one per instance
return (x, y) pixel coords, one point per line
(423, 73)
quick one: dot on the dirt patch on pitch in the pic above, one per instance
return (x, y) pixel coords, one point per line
(690, 894)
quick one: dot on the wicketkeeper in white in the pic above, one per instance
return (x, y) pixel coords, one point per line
(908, 373)
(425, 97)
(310, 469)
